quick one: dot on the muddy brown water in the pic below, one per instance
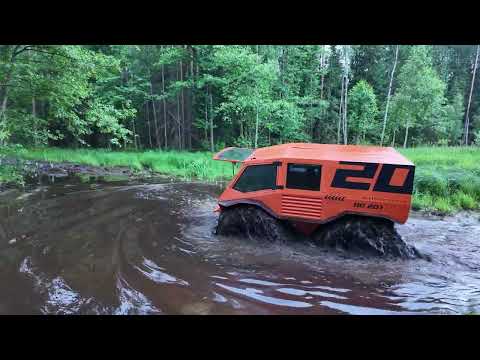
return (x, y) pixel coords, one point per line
(129, 247)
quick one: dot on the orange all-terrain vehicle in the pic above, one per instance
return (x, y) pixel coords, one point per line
(341, 195)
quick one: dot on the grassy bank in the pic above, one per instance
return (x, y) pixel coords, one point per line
(447, 179)
(188, 165)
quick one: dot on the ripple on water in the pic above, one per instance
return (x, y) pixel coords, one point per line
(157, 274)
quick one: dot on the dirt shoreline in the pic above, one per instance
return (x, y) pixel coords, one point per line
(32, 170)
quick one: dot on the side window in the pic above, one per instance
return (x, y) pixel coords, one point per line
(257, 177)
(304, 177)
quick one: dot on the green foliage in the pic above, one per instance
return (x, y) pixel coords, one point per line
(477, 138)
(450, 127)
(363, 112)
(10, 175)
(190, 96)
(68, 86)
(418, 102)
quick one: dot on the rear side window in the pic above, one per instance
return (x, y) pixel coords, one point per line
(257, 177)
(304, 177)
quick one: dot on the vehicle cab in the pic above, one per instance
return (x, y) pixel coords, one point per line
(316, 183)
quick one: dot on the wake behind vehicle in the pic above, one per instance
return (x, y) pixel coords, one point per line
(346, 196)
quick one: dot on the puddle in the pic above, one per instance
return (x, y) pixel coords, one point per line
(112, 246)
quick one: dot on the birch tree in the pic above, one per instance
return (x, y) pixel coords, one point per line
(467, 118)
(388, 95)
(345, 60)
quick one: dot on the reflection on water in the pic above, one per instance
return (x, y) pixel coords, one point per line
(100, 247)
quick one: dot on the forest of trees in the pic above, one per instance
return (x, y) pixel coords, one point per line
(208, 96)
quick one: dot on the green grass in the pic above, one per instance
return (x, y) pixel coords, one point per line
(447, 179)
(198, 165)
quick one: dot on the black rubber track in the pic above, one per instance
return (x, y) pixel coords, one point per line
(353, 234)
(366, 236)
(253, 222)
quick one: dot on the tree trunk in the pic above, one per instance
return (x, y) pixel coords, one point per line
(191, 97)
(312, 118)
(467, 119)
(345, 96)
(182, 96)
(147, 114)
(406, 135)
(212, 146)
(179, 126)
(322, 65)
(4, 90)
(322, 81)
(3, 109)
(256, 118)
(340, 114)
(3, 112)
(134, 134)
(345, 125)
(164, 103)
(206, 115)
(393, 139)
(155, 120)
(282, 64)
(34, 107)
(388, 96)
(256, 129)
(179, 121)
(34, 115)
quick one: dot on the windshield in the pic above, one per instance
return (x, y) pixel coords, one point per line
(233, 154)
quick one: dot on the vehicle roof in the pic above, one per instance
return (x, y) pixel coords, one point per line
(331, 152)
